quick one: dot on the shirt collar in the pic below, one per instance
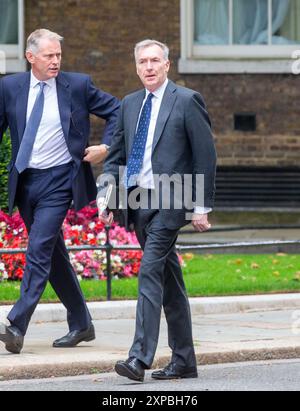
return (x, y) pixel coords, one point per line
(160, 91)
(34, 81)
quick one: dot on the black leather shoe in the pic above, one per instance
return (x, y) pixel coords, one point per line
(131, 368)
(12, 338)
(174, 371)
(75, 337)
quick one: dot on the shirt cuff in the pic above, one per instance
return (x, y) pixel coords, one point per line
(202, 210)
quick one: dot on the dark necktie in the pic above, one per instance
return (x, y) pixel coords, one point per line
(136, 157)
(31, 130)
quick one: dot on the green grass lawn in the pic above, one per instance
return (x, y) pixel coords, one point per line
(242, 274)
(211, 275)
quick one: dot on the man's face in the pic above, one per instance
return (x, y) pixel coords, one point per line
(46, 62)
(152, 68)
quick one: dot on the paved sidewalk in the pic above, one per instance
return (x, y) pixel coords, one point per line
(238, 235)
(249, 236)
(225, 330)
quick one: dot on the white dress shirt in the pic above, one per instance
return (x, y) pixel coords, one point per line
(50, 148)
(146, 179)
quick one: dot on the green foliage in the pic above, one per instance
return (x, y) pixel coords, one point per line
(5, 155)
(204, 275)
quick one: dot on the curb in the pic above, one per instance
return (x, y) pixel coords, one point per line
(72, 369)
(206, 305)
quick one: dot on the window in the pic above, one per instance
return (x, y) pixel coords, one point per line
(239, 35)
(247, 22)
(12, 36)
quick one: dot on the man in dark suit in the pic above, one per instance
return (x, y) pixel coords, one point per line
(47, 112)
(162, 130)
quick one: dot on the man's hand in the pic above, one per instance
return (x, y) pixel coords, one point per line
(96, 154)
(106, 218)
(200, 222)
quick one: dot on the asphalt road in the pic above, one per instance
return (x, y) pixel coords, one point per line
(259, 376)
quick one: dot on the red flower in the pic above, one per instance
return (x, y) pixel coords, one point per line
(124, 263)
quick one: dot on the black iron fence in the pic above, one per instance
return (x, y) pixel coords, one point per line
(108, 248)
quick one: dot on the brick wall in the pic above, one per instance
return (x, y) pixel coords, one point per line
(99, 37)
(274, 99)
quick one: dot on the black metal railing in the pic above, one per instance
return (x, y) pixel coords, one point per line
(108, 247)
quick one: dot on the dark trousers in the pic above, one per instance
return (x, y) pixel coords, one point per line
(43, 199)
(160, 285)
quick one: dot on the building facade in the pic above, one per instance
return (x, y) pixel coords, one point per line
(237, 53)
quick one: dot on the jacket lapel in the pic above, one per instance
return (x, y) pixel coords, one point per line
(164, 113)
(134, 117)
(21, 104)
(64, 103)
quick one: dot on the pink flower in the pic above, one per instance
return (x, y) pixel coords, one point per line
(128, 271)
(83, 228)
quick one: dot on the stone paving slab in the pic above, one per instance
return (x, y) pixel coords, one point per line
(219, 338)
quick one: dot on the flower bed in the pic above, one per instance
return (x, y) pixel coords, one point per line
(81, 228)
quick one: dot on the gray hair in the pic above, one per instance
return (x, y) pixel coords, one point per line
(33, 41)
(148, 43)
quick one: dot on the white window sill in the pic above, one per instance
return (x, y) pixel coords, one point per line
(218, 66)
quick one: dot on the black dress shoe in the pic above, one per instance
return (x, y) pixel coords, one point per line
(174, 371)
(131, 368)
(12, 338)
(75, 337)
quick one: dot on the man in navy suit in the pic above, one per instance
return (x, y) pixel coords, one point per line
(47, 112)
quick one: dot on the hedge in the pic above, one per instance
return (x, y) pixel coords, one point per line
(5, 155)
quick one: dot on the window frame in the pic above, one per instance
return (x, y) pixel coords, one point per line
(14, 53)
(229, 58)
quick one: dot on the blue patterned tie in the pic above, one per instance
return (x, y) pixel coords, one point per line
(136, 157)
(31, 130)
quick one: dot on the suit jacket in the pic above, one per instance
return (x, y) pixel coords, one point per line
(77, 99)
(183, 144)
